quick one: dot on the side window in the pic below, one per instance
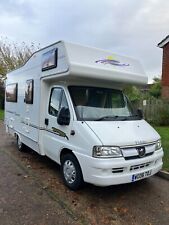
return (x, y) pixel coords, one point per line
(29, 89)
(11, 92)
(54, 103)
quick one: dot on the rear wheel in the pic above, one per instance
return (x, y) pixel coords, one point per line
(20, 145)
(71, 172)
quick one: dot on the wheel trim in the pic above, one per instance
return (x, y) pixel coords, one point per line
(69, 171)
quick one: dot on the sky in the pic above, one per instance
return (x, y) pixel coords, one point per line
(128, 27)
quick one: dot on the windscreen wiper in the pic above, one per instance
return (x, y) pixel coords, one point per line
(112, 118)
(134, 116)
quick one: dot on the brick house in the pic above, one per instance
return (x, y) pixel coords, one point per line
(164, 44)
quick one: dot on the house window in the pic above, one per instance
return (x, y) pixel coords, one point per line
(11, 92)
(29, 92)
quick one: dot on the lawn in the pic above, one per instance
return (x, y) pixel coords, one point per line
(164, 133)
(1, 114)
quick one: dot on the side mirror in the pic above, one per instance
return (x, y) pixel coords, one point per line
(140, 113)
(63, 116)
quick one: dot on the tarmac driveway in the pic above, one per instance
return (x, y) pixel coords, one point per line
(32, 193)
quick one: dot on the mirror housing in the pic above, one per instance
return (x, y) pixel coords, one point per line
(63, 116)
(140, 113)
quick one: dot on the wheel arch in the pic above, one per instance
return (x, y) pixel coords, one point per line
(65, 151)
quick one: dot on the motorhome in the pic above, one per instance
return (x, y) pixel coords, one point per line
(66, 102)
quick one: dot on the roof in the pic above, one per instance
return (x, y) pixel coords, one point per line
(162, 43)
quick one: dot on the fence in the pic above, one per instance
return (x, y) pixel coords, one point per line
(155, 111)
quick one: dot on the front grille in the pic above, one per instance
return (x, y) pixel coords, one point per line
(137, 156)
(140, 166)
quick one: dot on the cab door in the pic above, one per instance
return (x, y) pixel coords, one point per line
(56, 136)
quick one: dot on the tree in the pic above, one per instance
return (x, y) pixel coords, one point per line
(133, 93)
(13, 55)
(155, 89)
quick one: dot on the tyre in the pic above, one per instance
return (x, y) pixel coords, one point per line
(71, 172)
(20, 145)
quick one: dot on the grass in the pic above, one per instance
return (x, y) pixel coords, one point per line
(1, 114)
(164, 133)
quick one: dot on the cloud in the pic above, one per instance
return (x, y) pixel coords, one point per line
(18, 8)
(127, 27)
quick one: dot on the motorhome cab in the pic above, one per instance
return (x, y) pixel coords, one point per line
(67, 103)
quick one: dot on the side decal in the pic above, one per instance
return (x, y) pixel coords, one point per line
(111, 61)
(60, 133)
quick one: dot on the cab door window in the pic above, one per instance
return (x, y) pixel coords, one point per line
(57, 101)
(64, 101)
(54, 103)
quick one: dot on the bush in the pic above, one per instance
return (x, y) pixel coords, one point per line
(157, 112)
(163, 117)
(155, 89)
(1, 102)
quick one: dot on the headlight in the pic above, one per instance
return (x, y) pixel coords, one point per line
(158, 145)
(106, 152)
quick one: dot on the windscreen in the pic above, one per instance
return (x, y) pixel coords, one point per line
(96, 103)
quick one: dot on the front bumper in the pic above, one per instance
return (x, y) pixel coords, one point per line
(106, 172)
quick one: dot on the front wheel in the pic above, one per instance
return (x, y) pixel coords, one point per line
(71, 172)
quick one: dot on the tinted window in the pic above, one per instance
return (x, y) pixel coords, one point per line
(96, 103)
(29, 91)
(49, 60)
(11, 92)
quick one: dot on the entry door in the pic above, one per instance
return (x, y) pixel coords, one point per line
(56, 136)
(29, 86)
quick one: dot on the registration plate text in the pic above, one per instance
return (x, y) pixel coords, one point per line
(140, 176)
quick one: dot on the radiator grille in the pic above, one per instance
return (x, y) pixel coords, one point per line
(137, 156)
(140, 166)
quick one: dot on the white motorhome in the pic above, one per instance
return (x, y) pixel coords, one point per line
(67, 103)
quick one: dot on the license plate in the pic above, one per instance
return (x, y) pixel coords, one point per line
(140, 176)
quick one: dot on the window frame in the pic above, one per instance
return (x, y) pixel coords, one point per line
(86, 86)
(15, 100)
(46, 57)
(59, 100)
(27, 101)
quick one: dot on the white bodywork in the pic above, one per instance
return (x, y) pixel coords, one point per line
(78, 65)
